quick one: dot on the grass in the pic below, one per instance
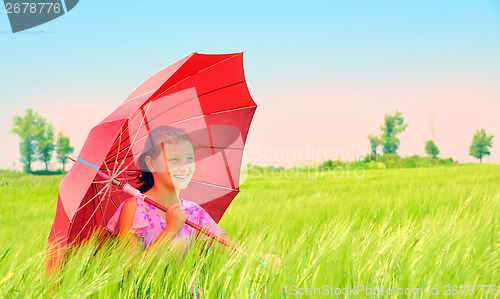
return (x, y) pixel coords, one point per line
(390, 228)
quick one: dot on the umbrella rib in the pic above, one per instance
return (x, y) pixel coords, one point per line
(123, 130)
(73, 222)
(112, 201)
(198, 96)
(228, 170)
(134, 140)
(109, 171)
(93, 213)
(100, 191)
(126, 178)
(95, 209)
(102, 212)
(234, 109)
(214, 185)
(126, 168)
(221, 147)
(152, 90)
(217, 112)
(119, 143)
(128, 146)
(101, 182)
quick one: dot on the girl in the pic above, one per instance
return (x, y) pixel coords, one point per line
(166, 167)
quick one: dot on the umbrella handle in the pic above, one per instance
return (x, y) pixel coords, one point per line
(192, 224)
(136, 193)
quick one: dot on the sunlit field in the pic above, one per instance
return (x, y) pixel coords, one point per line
(416, 230)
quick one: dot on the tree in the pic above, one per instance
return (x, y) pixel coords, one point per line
(374, 143)
(393, 125)
(45, 142)
(431, 149)
(27, 128)
(480, 145)
(63, 149)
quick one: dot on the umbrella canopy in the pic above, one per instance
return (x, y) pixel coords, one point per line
(205, 96)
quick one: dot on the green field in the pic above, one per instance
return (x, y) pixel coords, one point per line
(391, 228)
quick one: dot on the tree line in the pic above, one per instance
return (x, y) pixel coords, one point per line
(37, 142)
(395, 124)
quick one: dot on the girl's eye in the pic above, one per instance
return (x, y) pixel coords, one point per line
(177, 159)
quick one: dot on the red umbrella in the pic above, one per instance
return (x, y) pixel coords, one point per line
(204, 95)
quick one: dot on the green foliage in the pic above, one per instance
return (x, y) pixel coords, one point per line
(37, 138)
(412, 162)
(45, 142)
(391, 160)
(431, 149)
(375, 165)
(63, 149)
(480, 145)
(47, 172)
(331, 164)
(396, 228)
(374, 143)
(28, 128)
(371, 157)
(373, 161)
(393, 125)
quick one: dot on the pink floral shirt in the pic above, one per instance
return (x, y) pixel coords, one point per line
(148, 224)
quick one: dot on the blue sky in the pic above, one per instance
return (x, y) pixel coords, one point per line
(324, 72)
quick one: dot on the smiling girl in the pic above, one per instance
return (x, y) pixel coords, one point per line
(166, 167)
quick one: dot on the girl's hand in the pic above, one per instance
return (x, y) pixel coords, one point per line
(175, 216)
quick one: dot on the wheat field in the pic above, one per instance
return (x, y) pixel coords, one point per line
(422, 232)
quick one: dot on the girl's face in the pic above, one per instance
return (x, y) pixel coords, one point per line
(179, 167)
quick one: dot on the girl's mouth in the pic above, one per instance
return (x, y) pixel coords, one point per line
(181, 177)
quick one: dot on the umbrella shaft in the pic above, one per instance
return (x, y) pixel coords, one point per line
(193, 225)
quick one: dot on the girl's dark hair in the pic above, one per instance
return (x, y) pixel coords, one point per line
(152, 148)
